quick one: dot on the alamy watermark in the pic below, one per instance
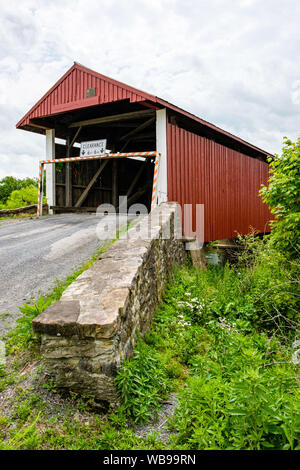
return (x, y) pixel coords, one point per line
(188, 220)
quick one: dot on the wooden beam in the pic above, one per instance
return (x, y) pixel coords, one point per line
(138, 194)
(91, 183)
(45, 125)
(125, 145)
(73, 209)
(122, 125)
(115, 117)
(136, 178)
(75, 137)
(138, 129)
(81, 186)
(146, 136)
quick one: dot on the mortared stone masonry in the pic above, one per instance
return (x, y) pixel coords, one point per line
(94, 326)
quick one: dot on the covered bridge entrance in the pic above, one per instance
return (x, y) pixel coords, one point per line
(85, 106)
(199, 162)
(86, 183)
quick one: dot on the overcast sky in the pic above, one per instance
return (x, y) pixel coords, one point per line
(235, 63)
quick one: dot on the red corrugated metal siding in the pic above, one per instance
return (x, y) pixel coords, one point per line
(70, 93)
(201, 171)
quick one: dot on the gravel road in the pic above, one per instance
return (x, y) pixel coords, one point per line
(35, 253)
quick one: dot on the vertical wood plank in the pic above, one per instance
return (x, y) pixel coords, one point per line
(68, 176)
(115, 183)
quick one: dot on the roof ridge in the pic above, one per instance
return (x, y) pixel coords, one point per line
(148, 96)
(140, 95)
(78, 66)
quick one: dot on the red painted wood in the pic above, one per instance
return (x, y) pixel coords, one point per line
(69, 93)
(227, 182)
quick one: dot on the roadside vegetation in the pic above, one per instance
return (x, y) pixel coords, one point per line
(17, 192)
(225, 341)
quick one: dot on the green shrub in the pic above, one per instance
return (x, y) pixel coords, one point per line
(10, 184)
(283, 197)
(286, 234)
(22, 197)
(239, 396)
(252, 411)
(242, 390)
(283, 191)
(23, 336)
(142, 383)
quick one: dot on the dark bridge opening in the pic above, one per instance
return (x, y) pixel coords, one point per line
(84, 185)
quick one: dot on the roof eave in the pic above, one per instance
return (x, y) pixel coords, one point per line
(25, 122)
(210, 126)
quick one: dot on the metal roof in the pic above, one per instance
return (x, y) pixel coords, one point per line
(69, 93)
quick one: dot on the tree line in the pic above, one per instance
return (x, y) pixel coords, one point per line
(17, 192)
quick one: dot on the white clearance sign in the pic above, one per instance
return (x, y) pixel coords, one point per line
(93, 148)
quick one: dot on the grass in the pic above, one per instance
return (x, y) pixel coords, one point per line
(238, 386)
(18, 216)
(217, 341)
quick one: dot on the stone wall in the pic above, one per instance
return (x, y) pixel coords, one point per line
(23, 210)
(94, 326)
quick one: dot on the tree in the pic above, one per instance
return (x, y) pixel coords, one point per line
(22, 197)
(283, 197)
(10, 184)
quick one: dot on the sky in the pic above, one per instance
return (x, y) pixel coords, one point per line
(235, 63)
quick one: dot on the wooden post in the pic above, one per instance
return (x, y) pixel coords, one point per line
(50, 171)
(115, 183)
(150, 168)
(161, 147)
(42, 189)
(68, 186)
(197, 253)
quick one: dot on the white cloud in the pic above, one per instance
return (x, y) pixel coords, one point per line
(232, 62)
(295, 94)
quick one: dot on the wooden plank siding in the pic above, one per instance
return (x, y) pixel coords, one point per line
(101, 192)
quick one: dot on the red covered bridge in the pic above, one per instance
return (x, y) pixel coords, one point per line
(200, 163)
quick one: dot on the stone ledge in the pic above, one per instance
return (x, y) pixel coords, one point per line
(23, 210)
(93, 327)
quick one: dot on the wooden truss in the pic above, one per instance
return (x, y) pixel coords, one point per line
(105, 157)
